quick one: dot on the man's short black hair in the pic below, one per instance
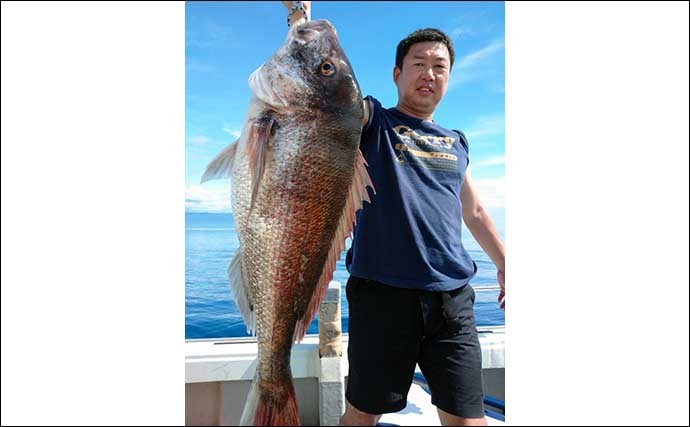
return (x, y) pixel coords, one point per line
(423, 35)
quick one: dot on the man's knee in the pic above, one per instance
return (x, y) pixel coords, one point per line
(453, 420)
(355, 417)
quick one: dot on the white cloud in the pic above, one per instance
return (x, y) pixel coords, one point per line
(462, 31)
(207, 198)
(466, 24)
(469, 67)
(485, 126)
(475, 58)
(210, 34)
(233, 131)
(217, 32)
(192, 65)
(199, 140)
(491, 161)
(491, 191)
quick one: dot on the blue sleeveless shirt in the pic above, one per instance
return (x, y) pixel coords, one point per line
(410, 235)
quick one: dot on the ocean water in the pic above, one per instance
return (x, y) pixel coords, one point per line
(210, 311)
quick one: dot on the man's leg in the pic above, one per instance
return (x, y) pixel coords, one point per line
(355, 417)
(453, 420)
(451, 358)
(385, 330)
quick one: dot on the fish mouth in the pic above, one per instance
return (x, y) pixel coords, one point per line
(305, 35)
(308, 31)
(318, 25)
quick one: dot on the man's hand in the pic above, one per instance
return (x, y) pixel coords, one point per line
(501, 276)
(298, 15)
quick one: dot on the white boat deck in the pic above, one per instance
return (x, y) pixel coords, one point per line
(232, 359)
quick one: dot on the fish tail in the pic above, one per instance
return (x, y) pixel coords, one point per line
(270, 405)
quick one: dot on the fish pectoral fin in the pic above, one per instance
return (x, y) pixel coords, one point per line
(221, 166)
(238, 284)
(258, 150)
(356, 196)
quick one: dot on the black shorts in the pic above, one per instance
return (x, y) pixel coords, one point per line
(392, 329)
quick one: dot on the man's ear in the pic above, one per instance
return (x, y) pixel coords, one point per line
(396, 74)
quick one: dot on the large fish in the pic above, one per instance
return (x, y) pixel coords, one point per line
(298, 178)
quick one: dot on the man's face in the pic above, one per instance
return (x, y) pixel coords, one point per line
(423, 80)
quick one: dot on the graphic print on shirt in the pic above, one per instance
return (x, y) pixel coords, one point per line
(428, 151)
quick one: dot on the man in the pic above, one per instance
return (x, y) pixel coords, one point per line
(409, 295)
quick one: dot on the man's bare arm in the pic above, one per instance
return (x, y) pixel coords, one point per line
(482, 228)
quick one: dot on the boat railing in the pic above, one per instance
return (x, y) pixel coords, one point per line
(317, 357)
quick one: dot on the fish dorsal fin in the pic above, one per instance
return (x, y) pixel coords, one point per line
(238, 284)
(221, 166)
(260, 131)
(355, 197)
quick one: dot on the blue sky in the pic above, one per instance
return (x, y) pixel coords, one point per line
(225, 42)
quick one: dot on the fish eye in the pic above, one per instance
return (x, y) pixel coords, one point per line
(327, 68)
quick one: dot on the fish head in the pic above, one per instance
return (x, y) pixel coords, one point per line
(310, 71)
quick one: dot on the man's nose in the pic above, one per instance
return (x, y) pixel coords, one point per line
(428, 74)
